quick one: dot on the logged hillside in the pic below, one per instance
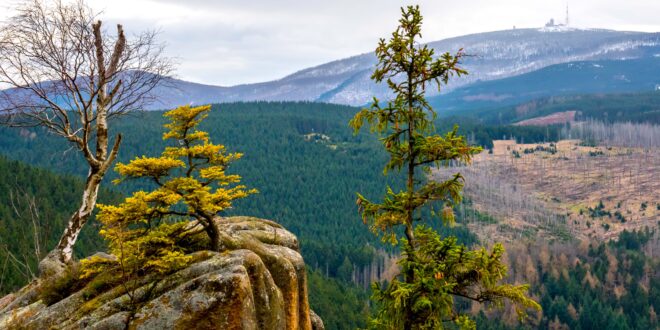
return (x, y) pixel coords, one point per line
(563, 190)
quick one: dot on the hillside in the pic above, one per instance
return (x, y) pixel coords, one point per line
(56, 195)
(305, 182)
(303, 159)
(566, 79)
(307, 165)
(563, 190)
(37, 204)
(493, 56)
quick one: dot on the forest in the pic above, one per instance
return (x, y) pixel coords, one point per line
(283, 156)
(392, 215)
(307, 165)
(640, 107)
(38, 204)
(597, 285)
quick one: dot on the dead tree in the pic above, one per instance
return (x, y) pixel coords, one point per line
(67, 74)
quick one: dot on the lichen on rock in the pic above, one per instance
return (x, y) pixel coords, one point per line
(257, 282)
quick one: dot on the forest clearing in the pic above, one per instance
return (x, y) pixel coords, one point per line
(564, 188)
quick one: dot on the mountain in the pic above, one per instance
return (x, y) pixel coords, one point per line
(494, 55)
(572, 78)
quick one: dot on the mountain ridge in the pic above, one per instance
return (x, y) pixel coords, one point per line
(494, 55)
(499, 54)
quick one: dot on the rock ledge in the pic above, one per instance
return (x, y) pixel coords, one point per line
(258, 283)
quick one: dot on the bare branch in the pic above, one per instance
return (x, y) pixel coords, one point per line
(70, 76)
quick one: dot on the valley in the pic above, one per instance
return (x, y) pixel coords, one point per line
(528, 180)
(294, 149)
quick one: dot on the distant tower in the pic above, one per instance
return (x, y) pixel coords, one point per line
(567, 13)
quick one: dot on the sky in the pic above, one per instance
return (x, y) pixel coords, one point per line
(230, 42)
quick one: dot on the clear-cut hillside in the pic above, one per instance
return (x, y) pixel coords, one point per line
(497, 55)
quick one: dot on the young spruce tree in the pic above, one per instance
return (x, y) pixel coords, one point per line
(149, 232)
(434, 270)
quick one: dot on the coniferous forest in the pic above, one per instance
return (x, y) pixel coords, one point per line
(309, 161)
(494, 211)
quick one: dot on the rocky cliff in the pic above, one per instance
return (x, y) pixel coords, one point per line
(258, 282)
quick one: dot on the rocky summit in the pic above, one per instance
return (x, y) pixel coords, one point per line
(257, 283)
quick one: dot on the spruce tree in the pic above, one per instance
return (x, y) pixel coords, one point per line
(150, 232)
(434, 270)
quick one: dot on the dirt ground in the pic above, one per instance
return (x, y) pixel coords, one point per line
(562, 190)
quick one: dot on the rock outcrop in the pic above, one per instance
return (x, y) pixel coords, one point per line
(257, 282)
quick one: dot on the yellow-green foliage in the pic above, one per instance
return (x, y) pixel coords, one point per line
(433, 270)
(145, 232)
(444, 270)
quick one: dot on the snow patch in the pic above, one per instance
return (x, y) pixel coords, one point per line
(558, 28)
(621, 77)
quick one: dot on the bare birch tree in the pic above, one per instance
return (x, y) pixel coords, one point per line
(67, 74)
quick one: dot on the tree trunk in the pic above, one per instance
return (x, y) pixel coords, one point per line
(409, 277)
(77, 221)
(214, 235)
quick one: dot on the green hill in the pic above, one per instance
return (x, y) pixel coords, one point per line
(302, 157)
(27, 233)
(615, 107)
(307, 165)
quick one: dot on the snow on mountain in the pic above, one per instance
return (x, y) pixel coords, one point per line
(495, 55)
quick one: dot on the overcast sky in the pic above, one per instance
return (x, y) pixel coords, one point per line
(228, 42)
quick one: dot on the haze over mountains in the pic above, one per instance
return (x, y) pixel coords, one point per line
(494, 55)
(505, 67)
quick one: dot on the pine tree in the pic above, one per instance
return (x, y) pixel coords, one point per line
(149, 232)
(434, 270)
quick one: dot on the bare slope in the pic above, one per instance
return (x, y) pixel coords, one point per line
(564, 189)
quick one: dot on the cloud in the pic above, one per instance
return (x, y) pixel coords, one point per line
(228, 42)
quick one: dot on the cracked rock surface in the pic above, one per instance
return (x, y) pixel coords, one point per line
(257, 282)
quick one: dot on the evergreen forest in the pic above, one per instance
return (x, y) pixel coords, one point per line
(307, 165)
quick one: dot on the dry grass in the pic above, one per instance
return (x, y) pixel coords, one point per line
(544, 193)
